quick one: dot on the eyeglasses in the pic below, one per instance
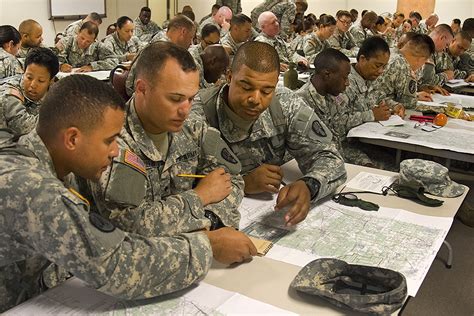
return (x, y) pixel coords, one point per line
(345, 22)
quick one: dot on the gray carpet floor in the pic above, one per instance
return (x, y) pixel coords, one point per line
(448, 291)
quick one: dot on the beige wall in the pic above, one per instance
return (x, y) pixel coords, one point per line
(14, 11)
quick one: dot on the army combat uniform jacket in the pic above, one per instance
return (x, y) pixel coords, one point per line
(42, 221)
(313, 46)
(397, 84)
(148, 197)
(287, 125)
(359, 34)
(343, 42)
(17, 111)
(9, 65)
(285, 53)
(145, 32)
(97, 55)
(121, 49)
(285, 11)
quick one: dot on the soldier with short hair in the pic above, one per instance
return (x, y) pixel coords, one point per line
(31, 36)
(240, 32)
(363, 30)
(44, 220)
(317, 40)
(84, 52)
(150, 189)
(262, 123)
(342, 39)
(145, 28)
(398, 84)
(21, 95)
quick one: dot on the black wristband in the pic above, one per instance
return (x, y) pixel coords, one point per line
(313, 186)
(216, 222)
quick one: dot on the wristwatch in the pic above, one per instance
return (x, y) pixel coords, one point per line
(313, 186)
(216, 222)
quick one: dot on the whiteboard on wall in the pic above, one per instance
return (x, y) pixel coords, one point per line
(76, 9)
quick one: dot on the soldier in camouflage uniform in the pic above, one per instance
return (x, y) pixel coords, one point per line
(270, 34)
(363, 30)
(210, 35)
(122, 42)
(361, 103)
(415, 19)
(398, 84)
(31, 36)
(323, 91)
(284, 10)
(234, 5)
(221, 20)
(144, 27)
(82, 51)
(74, 28)
(442, 36)
(342, 39)
(317, 40)
(9, 45)
(261, 123)
(21, 95)
(240, 32)
(212, 65)
(56, 224)
(159, 144)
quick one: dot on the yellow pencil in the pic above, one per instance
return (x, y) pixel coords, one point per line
(191, 175)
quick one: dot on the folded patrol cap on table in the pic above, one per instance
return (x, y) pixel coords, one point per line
(430, 175)
(360, 288)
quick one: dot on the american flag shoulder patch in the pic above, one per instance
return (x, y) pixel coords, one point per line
(134, 161)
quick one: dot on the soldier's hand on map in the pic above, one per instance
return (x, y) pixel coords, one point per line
(215, 187)
(470, 78)
(424, 96)
(381, 112)
(266, 178)
(449, 74)
(303, 62)
(297, 196)
(439, 89)
(283, 67)
(86, 68)
(399, 110)
(230, 245)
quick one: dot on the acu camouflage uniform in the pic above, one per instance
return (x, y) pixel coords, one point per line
(397, 84)
(284, 52)
(97, 55)
(148, 197)
(9, 65)
(359, 34)
(145, 32)
(343, 42)
(234, 5)
(313, 46)
(200, 66)
(433, 72)
(288, 125)
(285, 11)
(228, 41)
(119, 48)
(18, 112)
(23, 51)
(73, 28)
(43, 222)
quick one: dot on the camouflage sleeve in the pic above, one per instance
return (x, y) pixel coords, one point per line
(310, 142)
(311, 48)
(216, 154)
(109, 44)
(465, 64)
(333, 42)
(10, 66)
(288, 14)
(16, 116)
(357, 35)
(56, 224)
(63, 55)
(350, 113)
(106, 59)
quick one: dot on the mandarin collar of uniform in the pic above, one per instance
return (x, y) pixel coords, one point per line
(33, 142)
(361, 83)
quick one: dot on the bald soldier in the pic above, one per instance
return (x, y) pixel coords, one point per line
(261, 123)
(31, 36)
(44, 220)
(144, 191)
(221, 20)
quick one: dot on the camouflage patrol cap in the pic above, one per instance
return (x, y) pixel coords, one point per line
(360, 288)
(430, 175)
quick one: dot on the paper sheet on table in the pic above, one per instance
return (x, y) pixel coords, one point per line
(366, 181)
(101, 75)
(394, 120)
(74, 297)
